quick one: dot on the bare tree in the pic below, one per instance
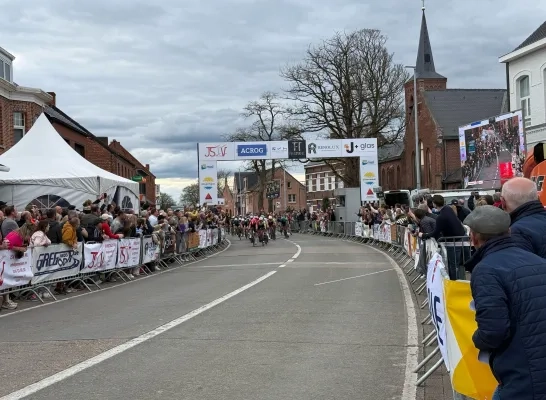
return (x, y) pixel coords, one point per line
(349, 87)
(165, 201)
(268, 123)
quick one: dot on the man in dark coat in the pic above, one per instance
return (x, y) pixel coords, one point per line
(508, 284)
(520, 199)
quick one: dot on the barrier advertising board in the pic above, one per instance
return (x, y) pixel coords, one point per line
(100, 256)
(57, 261)
(14, 271)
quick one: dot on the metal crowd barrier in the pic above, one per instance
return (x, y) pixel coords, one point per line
(405, 249)
(42, 267)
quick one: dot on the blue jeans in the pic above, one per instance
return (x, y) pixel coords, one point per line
(496, 395)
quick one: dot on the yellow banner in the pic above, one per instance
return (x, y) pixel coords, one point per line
(469, 376)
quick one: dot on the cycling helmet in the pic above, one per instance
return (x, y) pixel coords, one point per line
(261, 218)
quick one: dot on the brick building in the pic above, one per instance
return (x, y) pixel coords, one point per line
(20, 107)
(440, 112)
(245, 189)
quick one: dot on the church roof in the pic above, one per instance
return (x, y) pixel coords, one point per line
(424, 66)
(453, 108)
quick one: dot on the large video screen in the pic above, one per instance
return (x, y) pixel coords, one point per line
(492, 150)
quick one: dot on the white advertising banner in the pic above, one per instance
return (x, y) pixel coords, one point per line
(14, 271)
(100, 256)
(216, 152)
(436, 302)
(359, 148)
(358, 229)
(279, 150)
(150, 250)
(57, 261)
(252, 150)
(129, 253)
(324, 148)
(202, 238)
(369, 177)
(208, 182)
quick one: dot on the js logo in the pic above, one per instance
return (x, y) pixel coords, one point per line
(312, 148)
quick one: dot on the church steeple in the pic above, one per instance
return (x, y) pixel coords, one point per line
(424, 66)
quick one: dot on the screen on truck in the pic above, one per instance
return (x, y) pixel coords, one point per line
(392, 198)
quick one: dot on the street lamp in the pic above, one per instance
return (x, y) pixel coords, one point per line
(417, 152)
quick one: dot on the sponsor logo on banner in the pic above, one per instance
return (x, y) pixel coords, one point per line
(207, 166)
(324, 148)
(55, 262)
(150, 250)
(369, 178)
(129, 252)
(252, 150)
(353, 147)
(100, 256)
(216, 151)
(278, 149)
(296, 149)
(368, 162)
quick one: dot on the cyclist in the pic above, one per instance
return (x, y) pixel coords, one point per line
(284, 222)
(262, 229)
(253, 225)
(272, 227)
(237, 226)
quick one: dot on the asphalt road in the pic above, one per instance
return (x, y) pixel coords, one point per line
(490, 174)
(315, 328)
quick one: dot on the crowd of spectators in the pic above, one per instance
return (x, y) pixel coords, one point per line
(93, 223)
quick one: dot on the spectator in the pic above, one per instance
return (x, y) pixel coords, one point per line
(428, 211)
(461, 211)
(497, 200)
(153, 217)
(471, 200)
(425, 223)
(94, 231)
(449, 226)
(118, 223)
(54, 231)
(508, 285)
(520, 199)
(106, 228)
(488, 199)
(9, 224)
(17, 241)
(39, 238)
(59, 213)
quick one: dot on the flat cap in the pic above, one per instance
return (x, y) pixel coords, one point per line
(488, 220)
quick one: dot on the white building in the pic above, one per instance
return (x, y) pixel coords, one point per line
(526, 80)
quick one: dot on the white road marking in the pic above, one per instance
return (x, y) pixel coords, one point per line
(67, 373)
(291, 260)
(282, 266)
(115, 286)
(354, 277)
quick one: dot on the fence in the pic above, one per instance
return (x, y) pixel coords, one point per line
(40, 267)
(448, 298)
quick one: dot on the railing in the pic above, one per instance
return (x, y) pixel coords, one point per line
(424, 262)
(41, 267)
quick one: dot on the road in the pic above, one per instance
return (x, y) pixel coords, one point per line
(490, 174)
(310, 318)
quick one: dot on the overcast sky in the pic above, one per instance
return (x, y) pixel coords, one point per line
(160, 76)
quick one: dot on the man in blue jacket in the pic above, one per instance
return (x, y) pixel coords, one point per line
(520, 198)
(508, 286)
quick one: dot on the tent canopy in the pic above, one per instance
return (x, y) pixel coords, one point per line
(43, 159)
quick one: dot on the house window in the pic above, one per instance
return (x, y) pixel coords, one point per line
(322, 179)
(291, 198)
(525, 99)
(142, 188)
(79, 149)
(330, 183)
(288, 185)
(422, 163)
(5, 70)
(309, 183)
(18, 126)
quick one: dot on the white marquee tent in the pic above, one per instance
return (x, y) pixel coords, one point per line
(46, 171)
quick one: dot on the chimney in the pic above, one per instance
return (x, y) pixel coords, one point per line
(54, 101)
(148, 167)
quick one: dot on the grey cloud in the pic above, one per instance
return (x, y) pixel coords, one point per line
(161, 76)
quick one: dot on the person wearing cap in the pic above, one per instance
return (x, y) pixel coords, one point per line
(508, 286)
(106, 227)
(462, 212)
(520, 198)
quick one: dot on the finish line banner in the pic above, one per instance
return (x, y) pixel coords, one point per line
(290, 149)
